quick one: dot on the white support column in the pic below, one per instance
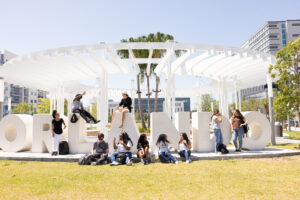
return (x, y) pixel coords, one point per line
(199, 103)
(235, 94)
(9, 105)
(271, 112)
(51, 103)
(173, 98)
(70, 100)
(102, 103)
(240, 99)
(133, 92)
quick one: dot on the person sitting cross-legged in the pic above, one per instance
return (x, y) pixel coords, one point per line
(164, 153)
(123, 148)
(100, 151)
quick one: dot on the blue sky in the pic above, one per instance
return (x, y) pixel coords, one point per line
(33, 25)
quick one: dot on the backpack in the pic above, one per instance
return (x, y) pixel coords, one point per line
(85, 160)
(245, 129)
(63, 148)
(121, 158)
(222, 148)
(74, 118)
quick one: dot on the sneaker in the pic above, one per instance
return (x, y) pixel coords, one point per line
(187, 162)
(115, 163)
(96, 122)
(93, 163)
(142, 163)
(129, 163)
(53, 153)
(176, 162)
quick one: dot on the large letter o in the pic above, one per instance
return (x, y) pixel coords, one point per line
(16, 133)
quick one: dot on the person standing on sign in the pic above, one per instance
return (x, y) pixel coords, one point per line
(123, 107)
(77, 107)
(57, 131)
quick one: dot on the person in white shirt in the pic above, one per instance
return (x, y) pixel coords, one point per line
(164, 154)
(216, 120)
(185, 147)
(123, 146)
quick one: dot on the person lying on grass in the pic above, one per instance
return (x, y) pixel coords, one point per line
(100, 151)
(123, 153)
(164, 154)
(143, 149)
(185, 147)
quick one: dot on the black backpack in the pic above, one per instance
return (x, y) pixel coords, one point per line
(63, 148)
(121, 158)
(74, 118)
(85, 160)
(223, 149)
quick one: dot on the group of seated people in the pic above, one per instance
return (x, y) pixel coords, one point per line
(123, 150)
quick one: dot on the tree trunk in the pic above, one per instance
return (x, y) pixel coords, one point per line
(157, 80)
(148, 95)
(139, 101)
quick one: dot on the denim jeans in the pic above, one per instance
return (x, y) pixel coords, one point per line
(166, 157)
(219, 138)
(185, 154)
(127, 154)
(238, 134)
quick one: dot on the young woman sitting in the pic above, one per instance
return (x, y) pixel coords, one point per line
(185, 148)
(163, 146)
(123, 148)
(143, 149)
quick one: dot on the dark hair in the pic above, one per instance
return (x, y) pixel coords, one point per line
(142, 138)
(162, 138)
(214, 113)
(126, 138)
(100, 136)
(184, 135)
(239, 114)
(77, 95)
(54, 113)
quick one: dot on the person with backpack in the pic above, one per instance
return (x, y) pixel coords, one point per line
(77, 107)
(237, 123)
(143, 149)
(123, 107)
(164, 154)
(57, 131)
(123, 153)
(185, 148)
(216, 120)
(100, 151)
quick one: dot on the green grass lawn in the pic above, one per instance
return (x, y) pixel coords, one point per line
(285, 146)
(276, 178)
(294, 135)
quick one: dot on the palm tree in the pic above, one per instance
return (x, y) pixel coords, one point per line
(144, 53)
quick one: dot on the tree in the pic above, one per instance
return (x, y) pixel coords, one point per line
(24, 108)
(142, 53)
(287, 72)
(43, 105)
(206, 100)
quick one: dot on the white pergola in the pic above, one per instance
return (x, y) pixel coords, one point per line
(61, 71)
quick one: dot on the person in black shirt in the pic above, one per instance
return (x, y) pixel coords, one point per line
(100, 151)
(57, 131)
(143, 149)
(123, 107)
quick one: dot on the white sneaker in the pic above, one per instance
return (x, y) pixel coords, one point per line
(187, 162)
(93, 163)
(176, 162)
(114, 163)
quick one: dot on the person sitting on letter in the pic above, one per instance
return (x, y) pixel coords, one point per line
(143, 149)
(57, 131)
(100, 151)
(77, 107)
(126, 107)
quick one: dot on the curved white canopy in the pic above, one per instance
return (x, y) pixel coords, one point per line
(66, 67)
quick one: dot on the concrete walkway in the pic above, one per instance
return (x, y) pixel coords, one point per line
(283, 140)
(265, 153)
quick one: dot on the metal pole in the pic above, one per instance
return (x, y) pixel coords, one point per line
(271, 112)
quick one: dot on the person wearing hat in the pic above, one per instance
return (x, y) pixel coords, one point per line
(123, 107)
(77, 107)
